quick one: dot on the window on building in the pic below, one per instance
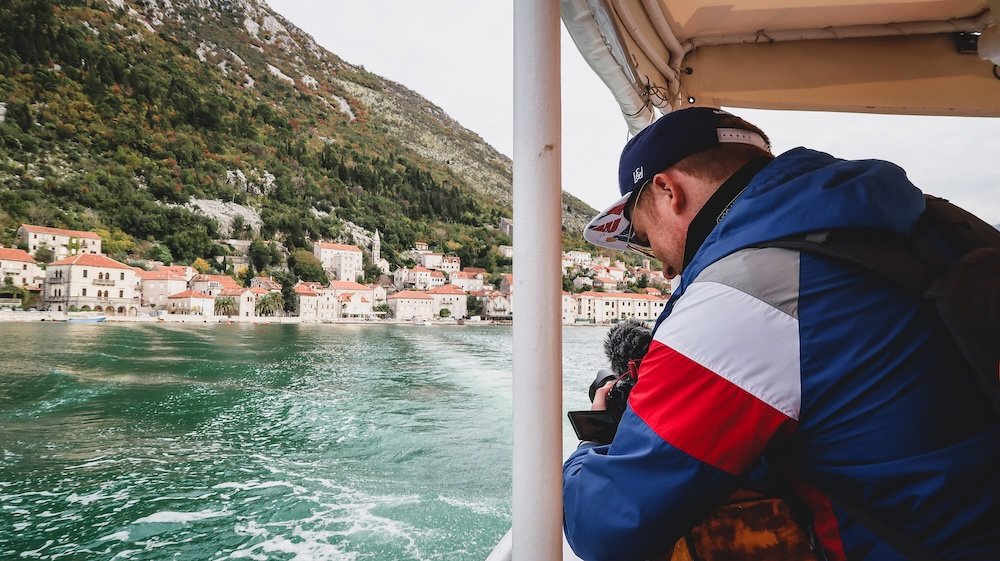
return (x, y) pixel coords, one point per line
(85, 273)
(121, 293)
(123, 276)
(83, 292)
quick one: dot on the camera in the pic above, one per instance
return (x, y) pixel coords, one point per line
(618, 396)
(625, 346)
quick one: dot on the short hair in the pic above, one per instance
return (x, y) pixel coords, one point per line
(720, 162)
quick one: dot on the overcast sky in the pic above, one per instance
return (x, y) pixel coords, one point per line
(458, 54)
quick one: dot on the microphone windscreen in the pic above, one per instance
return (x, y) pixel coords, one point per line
(626, 341)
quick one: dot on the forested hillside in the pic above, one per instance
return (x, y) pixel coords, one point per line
(171, 125)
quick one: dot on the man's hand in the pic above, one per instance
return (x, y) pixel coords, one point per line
(601, 396)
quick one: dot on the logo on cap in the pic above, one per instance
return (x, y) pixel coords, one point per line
(637, 174)
(607, 226)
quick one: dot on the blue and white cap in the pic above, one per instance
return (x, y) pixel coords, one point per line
(670, 139)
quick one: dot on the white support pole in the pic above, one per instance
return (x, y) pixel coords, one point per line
(537, 474)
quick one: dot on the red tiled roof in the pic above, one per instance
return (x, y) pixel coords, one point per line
(225, 280)
(59, 232)
(238, 291)
(475, 270)
(258, 290)
(347, 285)
(161, 274)
(420, 269)
(189, 294)
(446, 289)
(12, 254)
(437, 274)
(303, 289)
(91, 260)
(338, 247)
(268, 283)
(181, 270)
(410, 295)
(620, 295)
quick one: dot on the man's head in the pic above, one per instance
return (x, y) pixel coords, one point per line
(667, 173)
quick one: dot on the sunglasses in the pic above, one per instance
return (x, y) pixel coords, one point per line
(631, 241)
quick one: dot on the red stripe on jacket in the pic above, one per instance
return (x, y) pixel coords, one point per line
(824, 520)
(702, 413)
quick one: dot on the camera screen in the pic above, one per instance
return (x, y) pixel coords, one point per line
(594, 426)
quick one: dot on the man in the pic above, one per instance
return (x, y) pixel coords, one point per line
(854, 384)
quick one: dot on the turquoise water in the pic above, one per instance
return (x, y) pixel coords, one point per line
(260, 442)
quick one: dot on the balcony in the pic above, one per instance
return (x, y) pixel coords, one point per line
(104, 282)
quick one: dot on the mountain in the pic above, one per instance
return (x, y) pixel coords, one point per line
(173, 123)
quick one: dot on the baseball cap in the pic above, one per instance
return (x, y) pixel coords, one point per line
(670, 139)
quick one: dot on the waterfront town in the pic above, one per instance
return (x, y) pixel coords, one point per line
(79, 278)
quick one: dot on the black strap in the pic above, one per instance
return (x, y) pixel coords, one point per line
(893, 258)
(902, 543)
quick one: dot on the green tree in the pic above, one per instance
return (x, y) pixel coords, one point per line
(245, 275)
(288, 296)
(445, 313)
(474, 305)
(304, 265)
(115, 243)
(567, 284)
(371, 272)
(9, 290)
(161, 253)
(226, 306)
(259, 254)
(269, 304)
(201, 265)
(239, 227)
(44, 255)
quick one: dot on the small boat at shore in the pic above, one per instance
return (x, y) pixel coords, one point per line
(91, 319)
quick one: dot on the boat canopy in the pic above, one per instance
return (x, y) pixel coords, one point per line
(917, 57)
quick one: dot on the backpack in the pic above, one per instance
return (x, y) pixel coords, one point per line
(951, 258)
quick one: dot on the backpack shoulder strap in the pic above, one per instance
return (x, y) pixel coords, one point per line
(894, 258)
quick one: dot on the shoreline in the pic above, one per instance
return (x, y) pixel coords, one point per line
(62, 317)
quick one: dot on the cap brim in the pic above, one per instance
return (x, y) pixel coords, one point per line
(610, 228)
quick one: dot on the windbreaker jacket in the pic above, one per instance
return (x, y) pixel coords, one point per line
(857, 384)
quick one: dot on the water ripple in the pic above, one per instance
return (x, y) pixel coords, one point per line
(356, 443)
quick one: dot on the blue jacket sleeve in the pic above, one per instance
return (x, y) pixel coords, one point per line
(634, 498)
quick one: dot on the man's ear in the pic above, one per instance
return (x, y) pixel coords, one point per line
(667, 185)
